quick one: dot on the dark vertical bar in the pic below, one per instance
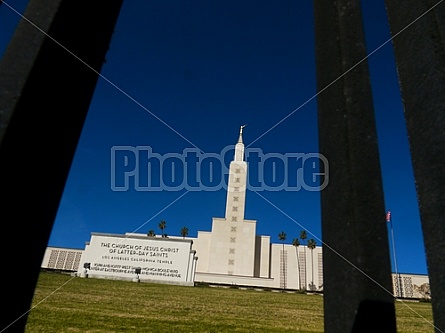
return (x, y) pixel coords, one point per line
(352, 205)
(16, 65)
(420, 59)
(44, 98)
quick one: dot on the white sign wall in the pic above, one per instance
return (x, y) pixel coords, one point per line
(121, 256)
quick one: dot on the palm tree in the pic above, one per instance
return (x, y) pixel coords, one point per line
(303, 237)
(311, 244)
(296, 243)
(162, 226)
(184, 232)
(282, 237)
(151, 233)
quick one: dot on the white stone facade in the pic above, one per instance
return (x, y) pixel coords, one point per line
(411, 286)
(139, 257)
(63, 259)
(232, 253)
(272, 268)
(269, 271)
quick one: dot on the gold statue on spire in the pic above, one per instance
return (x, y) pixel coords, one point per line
(241, 129)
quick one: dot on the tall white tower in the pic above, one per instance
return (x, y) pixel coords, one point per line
(237, 183)
(232, 243)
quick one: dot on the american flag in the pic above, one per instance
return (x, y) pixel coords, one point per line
(388, 216)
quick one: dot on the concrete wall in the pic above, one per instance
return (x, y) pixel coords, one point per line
(269, 271)
(114, 256)
(232, 247)
(62, 258)
(273, 268)
(262, 257)
(292, 273)
(412, 286)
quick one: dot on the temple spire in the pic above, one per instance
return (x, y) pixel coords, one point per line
(240, 139)
(239, 147)
(237, 183)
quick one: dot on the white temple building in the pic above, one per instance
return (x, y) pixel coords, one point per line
(232, 253)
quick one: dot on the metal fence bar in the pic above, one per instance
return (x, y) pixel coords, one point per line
(45, 94)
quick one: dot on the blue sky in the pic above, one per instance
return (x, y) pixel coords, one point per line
(186, 75)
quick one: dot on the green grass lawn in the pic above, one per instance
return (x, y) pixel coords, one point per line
(66, 304)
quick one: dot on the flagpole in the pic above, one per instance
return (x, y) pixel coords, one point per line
(399, 286)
